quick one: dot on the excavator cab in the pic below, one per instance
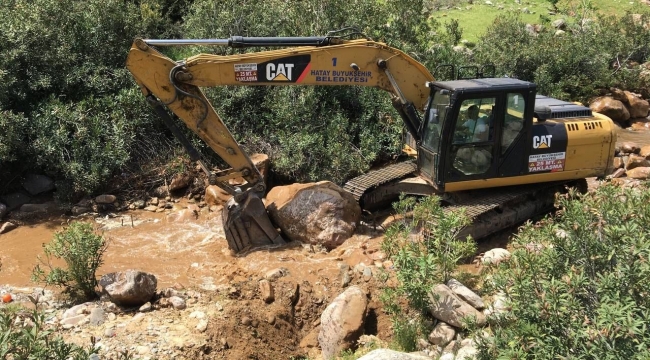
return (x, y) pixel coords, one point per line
(475, 130)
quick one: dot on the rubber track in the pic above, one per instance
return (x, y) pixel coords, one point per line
(360, 184)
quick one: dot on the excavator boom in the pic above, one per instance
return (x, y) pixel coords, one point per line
(310, 61)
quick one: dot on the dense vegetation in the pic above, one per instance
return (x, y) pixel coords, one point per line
(584, 293)
(69, 108)
(576, 284)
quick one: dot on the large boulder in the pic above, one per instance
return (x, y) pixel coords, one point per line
(615, 109)
(342, 322)
(315, 213)
(448, 307)
(130, 287)
(38, 184)
(636, 105)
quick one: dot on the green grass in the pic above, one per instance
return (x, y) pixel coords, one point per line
(475, 18)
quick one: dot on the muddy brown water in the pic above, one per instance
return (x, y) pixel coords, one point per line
(190, 252)
(194, 252)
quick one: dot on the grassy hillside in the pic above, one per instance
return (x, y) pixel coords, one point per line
(475, 16)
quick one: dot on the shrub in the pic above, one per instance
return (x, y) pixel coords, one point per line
(575, 65)
(23, 335)
(584, 295)
(425, 250)
(82, 251)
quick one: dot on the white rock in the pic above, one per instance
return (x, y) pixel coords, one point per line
(442, 334)
(197, 315)
(466, 294)
(495, 256)
(342, 322)
(451, 309)
(202, 325)
(446, 356)
(467, 352)
(177, 302)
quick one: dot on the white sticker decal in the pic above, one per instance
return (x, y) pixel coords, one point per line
(546, 162)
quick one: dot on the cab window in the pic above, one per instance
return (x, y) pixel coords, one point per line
(475, 122)
(473, 134)
(513, 123)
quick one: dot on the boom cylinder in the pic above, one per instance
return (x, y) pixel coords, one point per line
(241, 41)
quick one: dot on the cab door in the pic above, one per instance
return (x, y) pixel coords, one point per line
(473, 132)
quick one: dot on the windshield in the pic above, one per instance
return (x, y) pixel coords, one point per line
(435, 117)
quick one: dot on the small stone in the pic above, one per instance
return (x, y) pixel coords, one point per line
(271, 319)
(177, 302)
(246, 320)
(142, 350)
(93, 357)
(276, 274)
(73, 320)
(109, 332)
(96, 316)
(224, 343)
(111, 316)
(146, 307)
(367, 273)
(218, 306)
(197, 315)
(618, 173)
(202, 325)
(266, 291)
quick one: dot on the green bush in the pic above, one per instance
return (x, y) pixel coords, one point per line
(82, 251)
(584, 295)
(425, 249)
(572, 66)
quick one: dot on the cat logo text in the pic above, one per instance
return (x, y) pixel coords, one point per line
(542, 142)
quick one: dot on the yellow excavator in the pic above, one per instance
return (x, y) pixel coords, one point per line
(490, 145)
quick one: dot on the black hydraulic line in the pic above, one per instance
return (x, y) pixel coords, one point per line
(169, 122)
(240, 41)
(410, 117)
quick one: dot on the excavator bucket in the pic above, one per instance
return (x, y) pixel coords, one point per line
(247, 224)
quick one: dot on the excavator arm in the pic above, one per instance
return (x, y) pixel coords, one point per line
(308, 61)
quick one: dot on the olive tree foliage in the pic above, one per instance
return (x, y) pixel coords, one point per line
(311, 133)
(593, 53)
(66, 99)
